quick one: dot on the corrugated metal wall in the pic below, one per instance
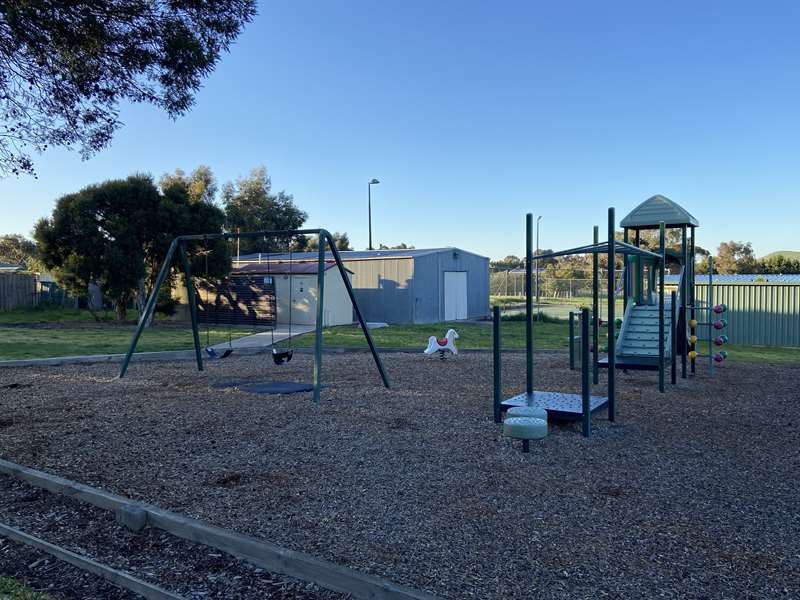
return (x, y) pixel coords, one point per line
(762, 314)
(411, 290)
(429, 284)
(384, 288)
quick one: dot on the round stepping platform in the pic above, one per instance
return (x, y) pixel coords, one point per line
(534, 412)
(525, 429)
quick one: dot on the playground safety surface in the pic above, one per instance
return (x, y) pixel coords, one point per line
(690, 494)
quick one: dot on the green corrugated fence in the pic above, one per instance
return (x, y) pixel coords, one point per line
(762, 314)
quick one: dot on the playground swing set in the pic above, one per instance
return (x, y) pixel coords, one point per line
(653, 330)
(179, 247)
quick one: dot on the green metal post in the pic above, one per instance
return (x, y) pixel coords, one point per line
(148, 309)
(661, 349)
(498, 371)
(692, 297)
(625, 283)
(529, 307)
(349, 287)
(320, 316)
(612, 342)
(710, 315)
(639, 274)
(571, 341)
(681, 325)
(595, 307)
(187, 273)
(673, 313)
(586, 386)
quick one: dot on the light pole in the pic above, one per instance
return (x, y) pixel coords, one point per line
(538, 251)
(370, 183)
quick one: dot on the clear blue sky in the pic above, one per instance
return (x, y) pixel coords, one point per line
(472, 114)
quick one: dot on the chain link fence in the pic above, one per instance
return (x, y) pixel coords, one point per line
(557, 296)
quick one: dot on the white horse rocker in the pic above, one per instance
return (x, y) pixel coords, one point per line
(442, 345)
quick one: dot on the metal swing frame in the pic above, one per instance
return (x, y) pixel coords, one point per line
(326, 241)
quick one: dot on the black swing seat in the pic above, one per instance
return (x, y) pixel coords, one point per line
(214, 355)
(281, 356)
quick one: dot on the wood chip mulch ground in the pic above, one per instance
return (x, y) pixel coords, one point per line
(690, 494)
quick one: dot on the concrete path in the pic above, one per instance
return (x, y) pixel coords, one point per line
(264, 339)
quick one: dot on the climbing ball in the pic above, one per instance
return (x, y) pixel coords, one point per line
(721, 324)
(720, 308)
(618, 322)
(720, 340)
(604, 348)
(692, 355)
(692, 339)
(693, 323)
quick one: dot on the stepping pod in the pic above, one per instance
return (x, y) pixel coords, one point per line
(525, 429)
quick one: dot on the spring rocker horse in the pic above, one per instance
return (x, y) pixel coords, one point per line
(442, 345)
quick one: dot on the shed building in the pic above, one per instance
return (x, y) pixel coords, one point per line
(409, 286)
(294, 287)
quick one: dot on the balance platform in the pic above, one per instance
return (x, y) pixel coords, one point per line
(557, 404)
(628, 364)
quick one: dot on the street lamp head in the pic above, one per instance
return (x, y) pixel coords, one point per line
(374, 181)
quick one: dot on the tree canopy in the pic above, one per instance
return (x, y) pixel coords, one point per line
(66, 66)
(735, 257)
(16, 249)
(310, 243)
(116, 234)
(250, 205)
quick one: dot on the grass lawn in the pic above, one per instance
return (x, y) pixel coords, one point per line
(56, 315)
(74, 332)
(44, 342)
(11, 589)
(472, 335)
(479, 336)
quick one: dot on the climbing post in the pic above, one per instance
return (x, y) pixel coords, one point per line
(685, 283)
(612, 350)
(595, 307)
(586, 386)
(674, 337)
(498, 371)
(571, 341)
(529, 306)
(709, 314)
(692, 297)
(661, 348)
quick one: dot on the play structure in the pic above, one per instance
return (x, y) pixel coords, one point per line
(655, 329)
(181, 247)
(443, 345)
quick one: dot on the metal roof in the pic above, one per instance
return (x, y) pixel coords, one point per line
(658, 208)
(282, 268)
(9, 267)
(793, 278)
(353, 254)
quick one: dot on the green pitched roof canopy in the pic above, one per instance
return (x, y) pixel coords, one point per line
(659, 208)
